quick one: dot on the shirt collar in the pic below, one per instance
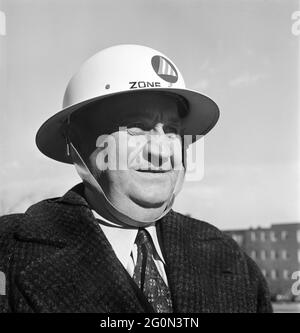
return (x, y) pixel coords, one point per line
(122, 239)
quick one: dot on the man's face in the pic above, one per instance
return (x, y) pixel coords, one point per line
(149, 141)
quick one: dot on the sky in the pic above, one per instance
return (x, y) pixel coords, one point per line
(241, 53)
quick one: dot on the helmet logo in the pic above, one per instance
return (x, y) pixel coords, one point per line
(164, 69)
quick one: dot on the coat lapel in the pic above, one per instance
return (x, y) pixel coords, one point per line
(78, 271)
(203, 274)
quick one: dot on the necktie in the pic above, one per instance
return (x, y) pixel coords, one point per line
(147, 277)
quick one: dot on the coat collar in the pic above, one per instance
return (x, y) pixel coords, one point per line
(43, 222)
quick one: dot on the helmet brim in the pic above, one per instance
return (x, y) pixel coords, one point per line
(202, 117)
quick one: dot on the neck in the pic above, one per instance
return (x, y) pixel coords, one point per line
(132, 215)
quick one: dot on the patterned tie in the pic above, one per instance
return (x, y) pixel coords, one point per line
(147, 277)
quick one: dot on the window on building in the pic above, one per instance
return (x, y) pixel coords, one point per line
(284, 235)
(264, 272)
(273, 274)
(284, 254)
(262, 236)
(253, 236)
(285, 274)
(238, 238)
(263, 255)
(273, 236)
(253, 255)
(298, 236)
(273, 254)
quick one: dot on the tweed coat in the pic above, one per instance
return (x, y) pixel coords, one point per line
(56, 259)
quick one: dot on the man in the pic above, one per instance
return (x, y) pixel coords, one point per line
(113, 243)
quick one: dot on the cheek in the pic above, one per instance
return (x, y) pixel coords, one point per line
(174, 177)
(115, 180)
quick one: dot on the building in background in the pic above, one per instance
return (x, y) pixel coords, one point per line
(276, 250)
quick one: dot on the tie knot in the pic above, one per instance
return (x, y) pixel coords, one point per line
(143, 238)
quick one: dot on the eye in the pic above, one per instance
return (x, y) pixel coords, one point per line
(172, 136)
(135, 129)
(171, 129)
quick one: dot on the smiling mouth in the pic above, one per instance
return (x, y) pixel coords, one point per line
(152, 171)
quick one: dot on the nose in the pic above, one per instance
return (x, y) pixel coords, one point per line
(158, 150)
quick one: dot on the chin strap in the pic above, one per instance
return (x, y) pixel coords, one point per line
(88, 178)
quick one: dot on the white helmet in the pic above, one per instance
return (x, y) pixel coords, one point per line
(123, 69)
